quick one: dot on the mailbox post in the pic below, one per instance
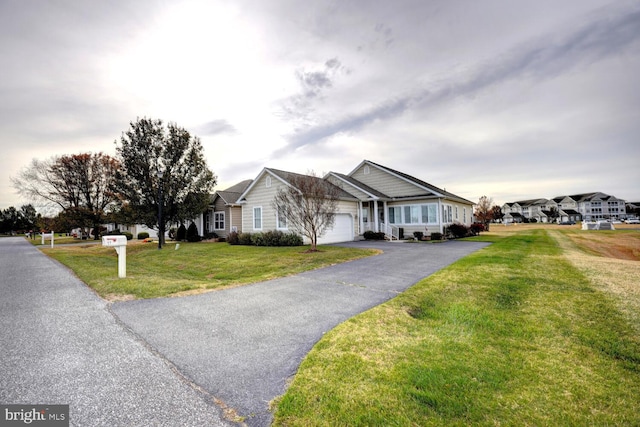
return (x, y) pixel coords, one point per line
(120, 245)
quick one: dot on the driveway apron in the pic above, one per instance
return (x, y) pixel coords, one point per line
(59, 344)
(243, 344)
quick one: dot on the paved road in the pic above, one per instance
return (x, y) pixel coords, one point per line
(60, 344)
(243, 344)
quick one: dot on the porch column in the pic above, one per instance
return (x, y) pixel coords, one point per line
(376, 220)
(360, 223)
(440, 215)
(385, 214)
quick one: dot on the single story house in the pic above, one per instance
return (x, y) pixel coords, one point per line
(372, 197)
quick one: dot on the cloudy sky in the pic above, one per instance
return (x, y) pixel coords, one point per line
(509, 99)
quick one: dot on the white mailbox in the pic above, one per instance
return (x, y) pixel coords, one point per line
(120, 245)
(114, 241)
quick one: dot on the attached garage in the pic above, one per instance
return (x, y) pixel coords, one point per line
(342, 230)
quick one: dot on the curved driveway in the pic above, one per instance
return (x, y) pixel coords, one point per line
(243, 344)
(59, 344)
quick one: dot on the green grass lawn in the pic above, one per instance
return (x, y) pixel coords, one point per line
(512, 335)
(193, 267)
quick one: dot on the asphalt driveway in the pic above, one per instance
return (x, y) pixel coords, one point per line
(59, 344)
(243, 344)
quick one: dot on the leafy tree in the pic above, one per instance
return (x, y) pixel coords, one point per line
(192, 233)
(10, 219)
(496, 212)
(553, 214)
(80, 184)
(483, 211)
(183, 187)
(309, 204)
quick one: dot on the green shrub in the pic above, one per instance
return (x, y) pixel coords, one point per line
(458, 230)
(143, 235)
(436, 236)
(257, 239)
(418, 235)
(244, 239)
(268, 238)
(291, 239)
(372, 235)
(192, 233)
(129, 235)
(477, 227)
(232, 238)
(181, 234)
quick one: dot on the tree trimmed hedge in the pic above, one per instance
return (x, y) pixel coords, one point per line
(372, 235)
(268, 238)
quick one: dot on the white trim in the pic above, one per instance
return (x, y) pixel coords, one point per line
(224, 218)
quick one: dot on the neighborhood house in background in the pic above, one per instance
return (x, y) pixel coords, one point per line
(562, 209)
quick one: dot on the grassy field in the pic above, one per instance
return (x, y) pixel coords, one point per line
(194, 267)
(541, 328)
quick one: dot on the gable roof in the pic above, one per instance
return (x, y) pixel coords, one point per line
(423, 185)
(531, 202)
(372, 192)
(285, 177)
(231, 195)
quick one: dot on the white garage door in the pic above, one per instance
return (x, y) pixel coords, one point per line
(342, 230)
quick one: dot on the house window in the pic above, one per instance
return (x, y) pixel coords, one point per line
(365, 215)
(394, 215)
(366, 170)
(218, 221)
(257, 218)
(464, 215)
(413, 214)
(267, 181)
(447, 216)
(281, 219)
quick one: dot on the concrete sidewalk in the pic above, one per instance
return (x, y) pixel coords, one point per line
(59, 344)
(243, 344)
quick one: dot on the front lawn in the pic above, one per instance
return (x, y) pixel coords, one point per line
(194, 267)
(518, 333)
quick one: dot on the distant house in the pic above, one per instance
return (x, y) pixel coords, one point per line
(225, 213)
(588, 207)
(372, 197)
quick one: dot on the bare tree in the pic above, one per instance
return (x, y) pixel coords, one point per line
(484, 211)
(79, 184)
(309, 204)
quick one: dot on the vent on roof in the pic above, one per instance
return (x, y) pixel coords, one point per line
(366, 170)
(268, 181)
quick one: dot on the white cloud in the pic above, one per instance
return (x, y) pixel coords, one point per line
(507, 99)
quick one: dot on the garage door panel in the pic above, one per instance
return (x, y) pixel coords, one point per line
(342, 230)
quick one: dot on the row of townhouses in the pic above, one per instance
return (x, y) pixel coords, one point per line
(579, 207)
